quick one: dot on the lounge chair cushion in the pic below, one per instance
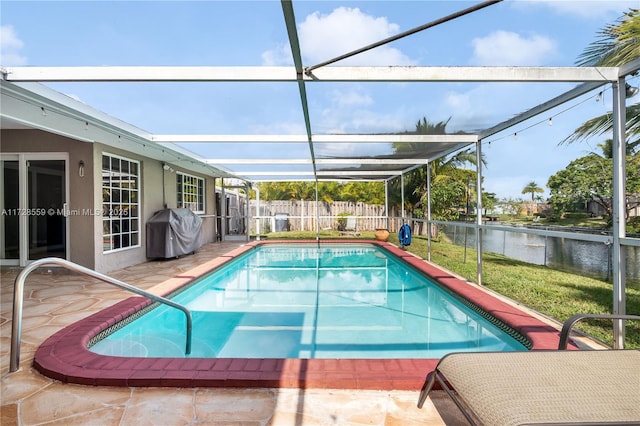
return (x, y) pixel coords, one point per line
(516, 388)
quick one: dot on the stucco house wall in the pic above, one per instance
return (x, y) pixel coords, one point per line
(85, 194)
(81, 194)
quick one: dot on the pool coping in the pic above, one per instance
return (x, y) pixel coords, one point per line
(65, 357)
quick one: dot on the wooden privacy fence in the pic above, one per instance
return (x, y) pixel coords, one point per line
(300, 215)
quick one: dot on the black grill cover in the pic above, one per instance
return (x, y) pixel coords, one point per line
(172, 233)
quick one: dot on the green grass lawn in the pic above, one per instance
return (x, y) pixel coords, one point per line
(555, 294)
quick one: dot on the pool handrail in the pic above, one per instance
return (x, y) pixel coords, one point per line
(18, 296)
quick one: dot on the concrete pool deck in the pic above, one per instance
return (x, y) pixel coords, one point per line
(55, 299)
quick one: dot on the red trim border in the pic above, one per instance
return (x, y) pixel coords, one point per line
(65, 357)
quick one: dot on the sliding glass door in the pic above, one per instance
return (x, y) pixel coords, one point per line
(33, 206)
(9, 201)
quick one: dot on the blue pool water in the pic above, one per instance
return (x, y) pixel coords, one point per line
(305, 301)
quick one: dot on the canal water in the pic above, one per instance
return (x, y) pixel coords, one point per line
(580, 257)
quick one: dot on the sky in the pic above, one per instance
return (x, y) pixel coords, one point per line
(252, 33)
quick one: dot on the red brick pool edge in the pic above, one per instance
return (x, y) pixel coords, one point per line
(65, 357)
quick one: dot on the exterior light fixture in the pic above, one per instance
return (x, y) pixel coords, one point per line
(630, 91)
(81, 168)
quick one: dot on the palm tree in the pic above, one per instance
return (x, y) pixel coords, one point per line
(532, 188)
(445, 171)
(617, 45)
(606, 149)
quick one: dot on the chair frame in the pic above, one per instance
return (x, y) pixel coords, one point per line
(467, 411)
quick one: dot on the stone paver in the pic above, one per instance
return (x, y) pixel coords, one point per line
(57, 298)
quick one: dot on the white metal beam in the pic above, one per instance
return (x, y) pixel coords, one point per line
(344, 138)
(320, 179)
(149, 73)
(230, 138)
(392, 138)
(278, 161)
(325, 173)
(257, 161)
(466, 74)
(288, 74)
(629, 68)
(371, 161)
(277, 173)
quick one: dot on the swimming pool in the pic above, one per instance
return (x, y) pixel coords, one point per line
(311, 301)
(65, 355)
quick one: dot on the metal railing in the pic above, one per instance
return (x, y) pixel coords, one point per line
(18, 296)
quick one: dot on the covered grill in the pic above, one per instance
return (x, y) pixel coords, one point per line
(172, 233)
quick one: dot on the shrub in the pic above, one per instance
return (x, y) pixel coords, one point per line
(633, 225)
(342, 220)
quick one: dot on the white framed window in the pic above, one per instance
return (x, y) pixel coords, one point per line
(190, 190)
(120, 203)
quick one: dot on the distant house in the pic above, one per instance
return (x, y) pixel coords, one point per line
(81, 185)
(633, 207)
(635, 202)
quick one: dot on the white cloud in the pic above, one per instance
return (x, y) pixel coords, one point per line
(350, 98)
(280, 56)
(458, 101)
(335, 119)
(479, 107)
(351, 111)
(324, 37)
(10, 46)
(9, 38)
(584, 8)
(508, 48)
